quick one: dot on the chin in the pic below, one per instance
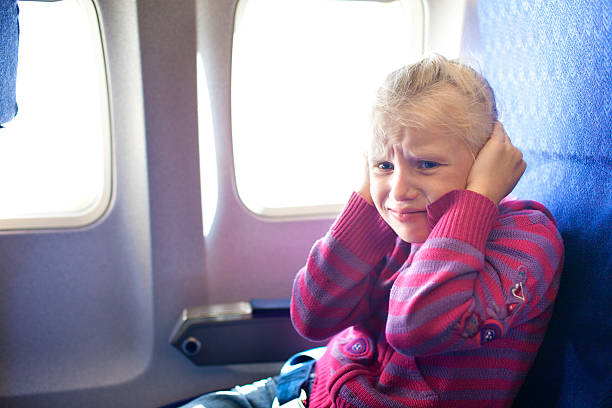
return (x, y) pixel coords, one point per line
(413, 238)
(411, 235)
(413, 232)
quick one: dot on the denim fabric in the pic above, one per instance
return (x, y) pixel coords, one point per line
(290, 384)
(9, 42)
(296, 373)
(260, 394)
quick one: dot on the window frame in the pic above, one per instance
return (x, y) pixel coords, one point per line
(303, 212)
(95, 212)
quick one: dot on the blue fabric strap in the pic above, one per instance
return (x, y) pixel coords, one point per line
(296, 373)
(290, 384)
(9, 42)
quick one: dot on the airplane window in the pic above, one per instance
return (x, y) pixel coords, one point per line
(55, 156)
(304, 74)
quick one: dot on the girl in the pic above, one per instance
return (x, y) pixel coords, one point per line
(436, 287)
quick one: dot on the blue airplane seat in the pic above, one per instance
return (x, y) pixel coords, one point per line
(551, 68)
(9, 40)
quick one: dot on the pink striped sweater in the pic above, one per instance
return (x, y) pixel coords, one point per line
(453, 322)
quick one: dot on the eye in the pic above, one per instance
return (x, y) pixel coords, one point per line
(385, 165)
(427, 164)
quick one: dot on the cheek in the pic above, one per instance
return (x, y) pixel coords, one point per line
(379, 193)
(448, 183)
(377, 189)
(438, 188)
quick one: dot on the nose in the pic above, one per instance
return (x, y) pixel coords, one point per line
(404, 186)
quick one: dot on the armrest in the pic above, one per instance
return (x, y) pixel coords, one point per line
(238, 333)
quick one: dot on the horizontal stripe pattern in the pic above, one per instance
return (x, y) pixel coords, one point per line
(409, 304)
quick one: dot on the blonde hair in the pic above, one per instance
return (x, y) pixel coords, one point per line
(435, 91)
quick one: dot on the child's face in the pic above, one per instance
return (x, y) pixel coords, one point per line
(415, 169)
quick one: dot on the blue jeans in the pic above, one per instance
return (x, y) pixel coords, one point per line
(260, 394)
(296, 374)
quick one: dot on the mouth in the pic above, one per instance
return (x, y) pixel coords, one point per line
(405, 214)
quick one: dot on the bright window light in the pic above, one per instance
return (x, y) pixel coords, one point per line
(208, 158)
(55, 156)
(304, 75)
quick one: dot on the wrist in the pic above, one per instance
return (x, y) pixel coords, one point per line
(491, 195)
(362, 231)
(465, 215)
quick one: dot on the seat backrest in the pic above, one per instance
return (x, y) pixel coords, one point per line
(9, 40)
(551, 68)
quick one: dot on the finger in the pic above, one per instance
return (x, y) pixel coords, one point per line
(506, 138)
(505, 135)
(522, 167)
(498, 133)
(366, 165)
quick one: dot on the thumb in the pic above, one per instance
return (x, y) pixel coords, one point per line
(499, 134)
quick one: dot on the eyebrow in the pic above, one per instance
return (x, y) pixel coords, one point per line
(380, 152)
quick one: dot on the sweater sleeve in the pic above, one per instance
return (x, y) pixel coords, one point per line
(331, 292)
(478, 275)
